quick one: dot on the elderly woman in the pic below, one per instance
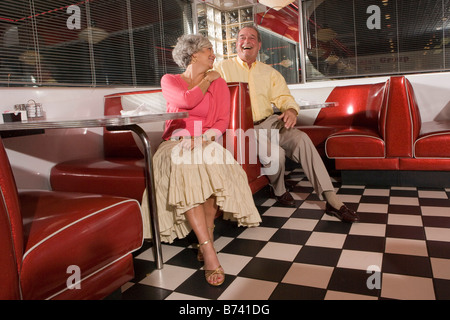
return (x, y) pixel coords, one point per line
(194, 175)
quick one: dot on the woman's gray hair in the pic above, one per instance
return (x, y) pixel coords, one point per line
(186, 46)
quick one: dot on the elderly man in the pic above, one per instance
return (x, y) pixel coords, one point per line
(267, 86)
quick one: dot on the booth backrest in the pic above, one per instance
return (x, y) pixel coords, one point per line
(121, 143)
(11, 231)
(240, 130)
(403, 118)
(414, 110)
(358, 105)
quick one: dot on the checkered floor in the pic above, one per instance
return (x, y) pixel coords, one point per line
(399, 250)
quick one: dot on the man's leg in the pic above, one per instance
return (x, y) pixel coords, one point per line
(300, 148)
(273, 159)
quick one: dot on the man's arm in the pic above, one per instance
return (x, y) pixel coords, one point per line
(282, 98)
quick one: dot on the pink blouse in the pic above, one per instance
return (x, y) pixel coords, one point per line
(208, 111)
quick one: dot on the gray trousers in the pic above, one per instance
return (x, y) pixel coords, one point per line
(296, 145)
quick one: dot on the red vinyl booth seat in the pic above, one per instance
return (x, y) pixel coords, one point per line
(120, 171)
(117, 176)
(399, 142)
(51, 240)
(356, 117)
(433, 141)
(364, 109)
(429, 147)
(355, 143)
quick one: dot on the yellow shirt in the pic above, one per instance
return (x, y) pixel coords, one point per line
(266, 85)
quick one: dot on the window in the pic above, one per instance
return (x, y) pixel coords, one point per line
(129, 42)
(221, 20)
(280, 39)
(91, 42)
(354, 38)
(281, 54)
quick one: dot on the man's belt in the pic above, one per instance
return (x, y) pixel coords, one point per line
(255, 123)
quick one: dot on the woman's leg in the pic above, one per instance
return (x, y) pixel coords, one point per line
(210, 208)
(198, 218)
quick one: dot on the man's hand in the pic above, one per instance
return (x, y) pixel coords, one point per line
(289, 117)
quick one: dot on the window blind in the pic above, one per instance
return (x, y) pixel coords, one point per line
(354, 38)
(89, 43)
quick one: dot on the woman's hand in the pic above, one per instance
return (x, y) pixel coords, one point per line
(190, 144)
(208, 77)
(212, 75)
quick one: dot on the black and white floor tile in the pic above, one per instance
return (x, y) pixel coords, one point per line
(399, 250)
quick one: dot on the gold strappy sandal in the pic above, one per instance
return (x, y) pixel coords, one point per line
(199, 253)
(210, 273)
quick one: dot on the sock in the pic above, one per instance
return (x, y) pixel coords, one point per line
(332, 199)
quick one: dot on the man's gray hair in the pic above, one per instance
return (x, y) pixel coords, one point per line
(186, 46)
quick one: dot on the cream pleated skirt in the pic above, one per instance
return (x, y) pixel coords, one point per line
(185, 179)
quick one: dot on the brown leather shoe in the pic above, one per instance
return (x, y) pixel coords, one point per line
(286, 199)
(344, 214)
